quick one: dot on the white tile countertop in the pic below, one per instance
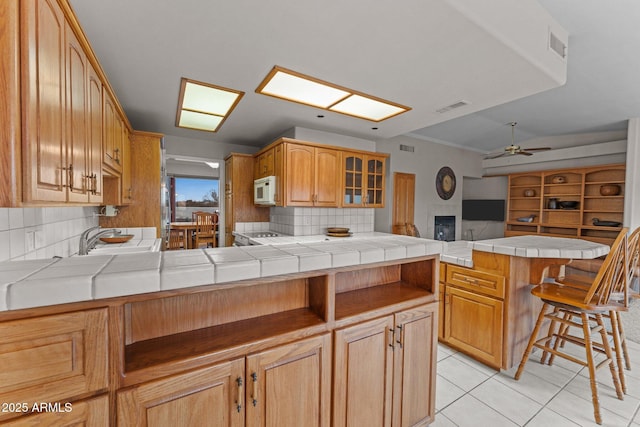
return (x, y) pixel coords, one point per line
(461, 252)
(542, 247)
(26, 284)
(34, 283)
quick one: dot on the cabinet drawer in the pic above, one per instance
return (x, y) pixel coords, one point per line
(477, 281)
(53, 358)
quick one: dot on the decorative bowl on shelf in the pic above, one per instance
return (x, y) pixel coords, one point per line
(599, 223)
(609, 190)
(568, 204)
(558, 179)
(526, 218)
(117, 238)
(529, 192)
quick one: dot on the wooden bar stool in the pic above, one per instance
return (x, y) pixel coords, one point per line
(615, 320)
(568, 306)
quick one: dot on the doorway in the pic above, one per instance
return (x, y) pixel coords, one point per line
(404, 188)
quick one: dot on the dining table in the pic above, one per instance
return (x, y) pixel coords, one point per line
(187, 228)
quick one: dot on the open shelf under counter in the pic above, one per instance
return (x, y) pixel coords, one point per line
(366, 293)
(165, 355)
(379, 300)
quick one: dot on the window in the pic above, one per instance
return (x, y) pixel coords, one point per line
(193, 194)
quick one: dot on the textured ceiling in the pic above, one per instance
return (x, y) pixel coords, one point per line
(420, 55)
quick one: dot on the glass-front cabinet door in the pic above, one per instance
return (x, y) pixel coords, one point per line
(375, 182)
(363, 180)
(353, 190)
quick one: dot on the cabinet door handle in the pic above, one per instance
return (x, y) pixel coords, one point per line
(400, 340)
(392, 339)
(240, 394)
(94, 179)
(254, 392)
(69, 171)
(117, 155)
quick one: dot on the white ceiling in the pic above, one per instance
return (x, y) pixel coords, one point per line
(424, 54)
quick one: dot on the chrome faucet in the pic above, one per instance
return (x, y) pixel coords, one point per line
(87, 243)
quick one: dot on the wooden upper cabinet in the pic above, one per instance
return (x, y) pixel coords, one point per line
(63, 99)
(112, 134)
(44, 110)
(299, 175)
(126, 181)
(363, 180)
(265, 164)
(375, 174)
(312, 176)
(327, 177)
(94, 104)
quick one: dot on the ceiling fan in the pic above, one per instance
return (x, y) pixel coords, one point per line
(514, 149)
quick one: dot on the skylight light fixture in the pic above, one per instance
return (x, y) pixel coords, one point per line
(296, 87)
(203, 106)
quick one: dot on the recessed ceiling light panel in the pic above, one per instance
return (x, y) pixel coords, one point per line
(204, 106)
(296, 87)
(300, 89)
(367, 108)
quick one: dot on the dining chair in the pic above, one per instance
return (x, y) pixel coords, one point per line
(206, 229)
(176, 240)
(570, 306)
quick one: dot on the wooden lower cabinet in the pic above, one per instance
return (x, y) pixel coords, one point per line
(212, 396)
(288, 385)
(53, 358)
(384, 370)
(474, 324)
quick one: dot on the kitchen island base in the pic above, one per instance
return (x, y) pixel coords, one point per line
(253, 352)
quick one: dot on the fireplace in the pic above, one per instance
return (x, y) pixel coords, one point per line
(445, 228)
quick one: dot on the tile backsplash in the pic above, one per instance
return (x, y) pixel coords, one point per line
(38, 233)
(309, 221)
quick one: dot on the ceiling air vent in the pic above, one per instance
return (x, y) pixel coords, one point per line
(408, 148)
(557, 45)
(453, 106)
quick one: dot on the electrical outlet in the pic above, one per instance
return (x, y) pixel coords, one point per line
(307, 220)
(30, 241)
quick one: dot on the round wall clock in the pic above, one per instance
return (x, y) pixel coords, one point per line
(445, 183)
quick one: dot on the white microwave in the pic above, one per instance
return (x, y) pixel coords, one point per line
(264, 191)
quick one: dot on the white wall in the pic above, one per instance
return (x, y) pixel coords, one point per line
(632, 181)
(425, 162)
(321, 137)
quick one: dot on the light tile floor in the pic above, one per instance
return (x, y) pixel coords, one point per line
(469, 393)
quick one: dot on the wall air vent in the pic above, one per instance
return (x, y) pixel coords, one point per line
(450, 107)
(557, 45)
(408, 148)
